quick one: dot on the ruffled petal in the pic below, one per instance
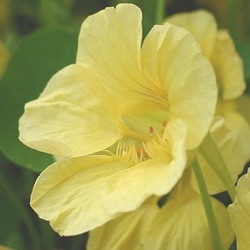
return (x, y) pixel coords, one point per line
(110, 42)
(239, 212)
(182, 224)
(128, 231)
(79, 194)
(202, 26)
(69, 193)
(72, 117)
(172, 60)
(218, 47)
(228, 67)
(126, 190)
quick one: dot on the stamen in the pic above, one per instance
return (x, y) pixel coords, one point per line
(152, 145)
(151, 130)
(129, 153)
(119, 149)
(141, 152)
(164, 124)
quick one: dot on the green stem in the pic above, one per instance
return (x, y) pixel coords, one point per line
(22, 211)
(208, 206)
(212, 154)
(160, 11)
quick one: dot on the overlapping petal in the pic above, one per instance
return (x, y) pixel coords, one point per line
(172, 60)
(202, 26)
(165, 75)
(80, 194)
(69, 193)
(72, 117)
(232, 139)
(126, 232)
(182, 224)
(239, 212)
(156, 176)
(218, 47)
(228, 67)
(110, 42)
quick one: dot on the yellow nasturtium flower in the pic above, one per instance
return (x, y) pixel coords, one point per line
(239, 212)
(229, 129)
(80, 193)
(122, 115)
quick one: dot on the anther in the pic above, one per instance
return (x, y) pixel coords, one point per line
(164, 124)
(141, 152)
(151, 130)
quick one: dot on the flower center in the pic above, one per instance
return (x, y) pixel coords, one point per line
(151, 146)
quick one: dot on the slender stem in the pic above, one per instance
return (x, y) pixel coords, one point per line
(22, 211)
(212, 154)
(160, 10)
(208, 206)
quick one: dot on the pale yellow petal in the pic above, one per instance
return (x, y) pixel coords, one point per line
(101, 39)
(72, 117)
(110, 42)
(218, 47)
(239, 212)
(232, 139)
(156, 176)
(128, 231)
(228, 67)
(172, 60)
(69, 193)
(202, 26)
(79, 194)
(182, 224)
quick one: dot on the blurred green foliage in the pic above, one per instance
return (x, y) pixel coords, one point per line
(41, 36)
